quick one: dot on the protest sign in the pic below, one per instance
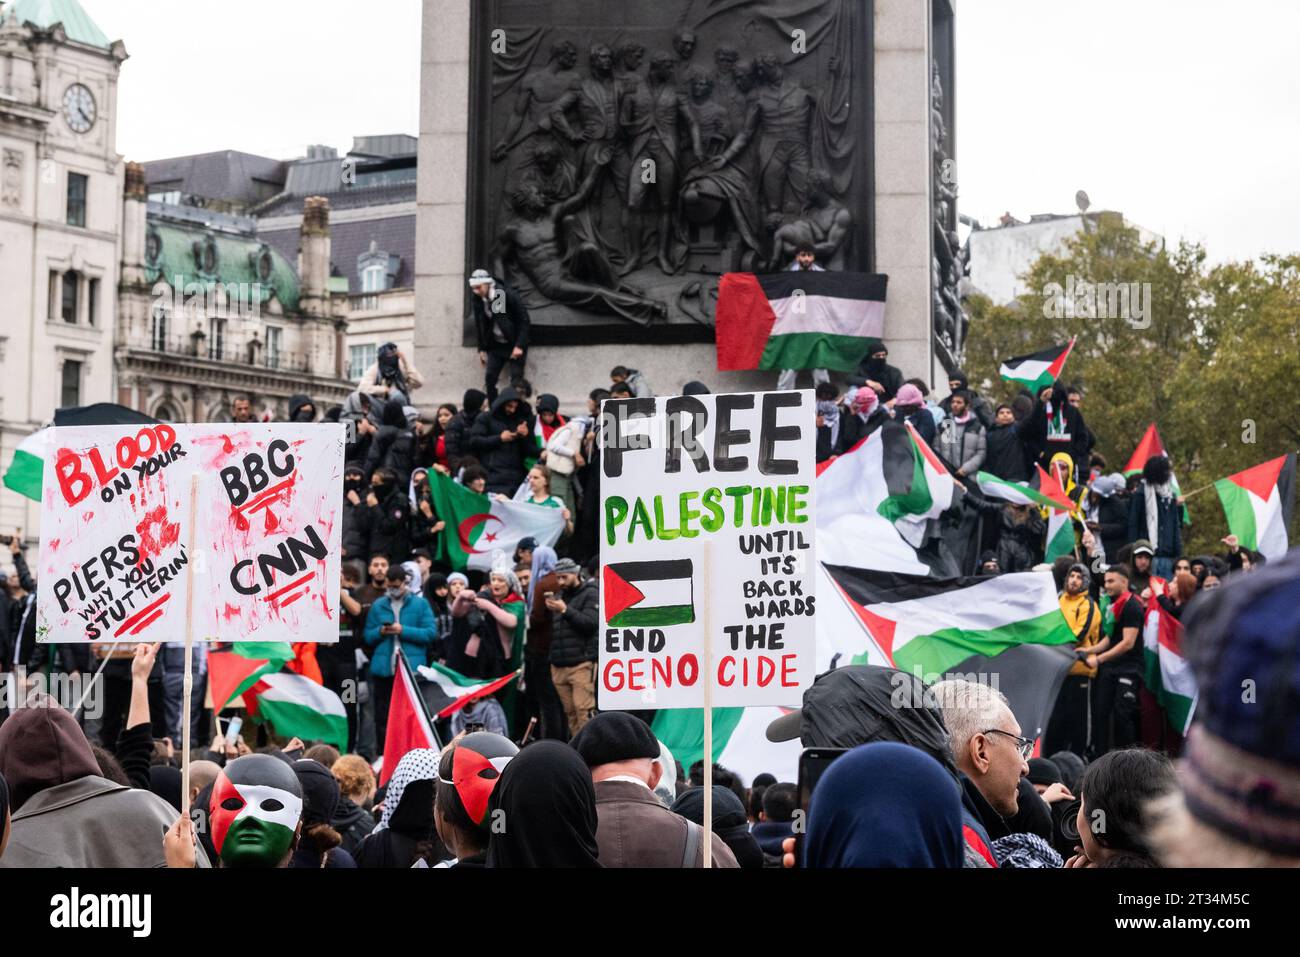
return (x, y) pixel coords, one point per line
(118, 553)
(707, 518)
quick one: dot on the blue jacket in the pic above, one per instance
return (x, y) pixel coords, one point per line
(419, 631)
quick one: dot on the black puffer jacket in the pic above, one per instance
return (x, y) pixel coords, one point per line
(574, 633)
(356, 527)
(504, 461)
(457, 437)
(393, 446)
(1006, 454)
(353, 824)
(389, 524)
(1063, 431)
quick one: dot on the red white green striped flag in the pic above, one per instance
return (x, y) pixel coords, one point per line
(25, 472)
(1168, 675)
(1040, 490)
(1258, 504)
(798, 320)
(739, 740)
(920, 487)
(298, 707)
(1039, 369)
(461, 689)
(231, 673)
(1148, 448)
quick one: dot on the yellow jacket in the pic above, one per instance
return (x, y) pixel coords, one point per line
(1075, 609)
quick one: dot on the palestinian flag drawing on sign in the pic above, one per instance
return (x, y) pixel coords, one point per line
(798, 320)
(1039, 369)
(648, 594)
(1258, 504)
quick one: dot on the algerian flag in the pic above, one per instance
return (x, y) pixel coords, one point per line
(25, 471)
(1040, 490)
(460, 689)
(1168, 675)
(1258, 504)
(299, 707)
(648, 594)
(479, 526)
(1039, 369)
(739, 740)
(935, 624)
(798, 320)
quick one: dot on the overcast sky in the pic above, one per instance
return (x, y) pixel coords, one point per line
(1182, 114)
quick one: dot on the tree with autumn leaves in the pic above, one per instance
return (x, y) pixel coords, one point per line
(1214, 360)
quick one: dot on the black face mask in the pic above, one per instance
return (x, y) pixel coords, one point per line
(352, 484)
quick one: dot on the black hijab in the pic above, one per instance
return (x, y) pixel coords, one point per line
(165, 781)
(729, 822)
(548, 799)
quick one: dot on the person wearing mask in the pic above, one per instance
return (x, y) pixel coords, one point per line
(1155, 514)
(457, 430)
(399, 622)
(547, 796)
(885, 805)
(866, 414)
(575, 613)
(501, 325)
(500, 442)
(388, 515)
(875, 372)
(390, 376)
(1119, 660)
(1006, 451)
(468, 773)
(634, 827)
(909, 406)
(988, 747)
(829, 422)
(302, 409)
(1054, 426)
(976, 403)
(1068, 729)
(356, 525)
(406, 831)
(393, 446)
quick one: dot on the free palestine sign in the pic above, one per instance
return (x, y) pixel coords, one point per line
(708, 510)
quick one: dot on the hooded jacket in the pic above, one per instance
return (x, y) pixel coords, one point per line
(878, 370)
(978, 404)
(1055, 427)
(353, 824)
(505, 462)
(66, 814)
(296, 402)
(1084, 618)
(457, 434)
(503, 311)
(393, 446)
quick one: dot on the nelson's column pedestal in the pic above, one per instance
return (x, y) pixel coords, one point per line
(611, 160)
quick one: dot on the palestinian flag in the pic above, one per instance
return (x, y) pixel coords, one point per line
(1148, 448)
(1258, 503)
(460, 689)
(739, 740)
(409, 726)
(231, 673)
(1060, 537)
(1168, 675)
(298, 707)
(27, 469)
(798, 320)
(860, 494)
(920, 486)
(648, 594)
(1042, 490)
(479, 526)
(935, 624)
(1038, 370)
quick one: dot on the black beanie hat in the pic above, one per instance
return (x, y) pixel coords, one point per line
(615, 736)
(473, 400)
(320, 791)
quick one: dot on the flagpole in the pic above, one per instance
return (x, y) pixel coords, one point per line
(1187, 495)
(708, 704)
(188, 685)
(95, 677)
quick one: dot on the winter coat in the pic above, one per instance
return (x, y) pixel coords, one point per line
(356, 529)
(389, 525)
(962, 445)
(634, 830)
(457, 438)
(1063, 431)
(503, 311)
(1112, 517)
(1005, 454)
(419, 631)
(1020, 543)
(1169, 522)
(505, 462)
(574, 632)
(638, 384)
(352, 823)
(923, 422)
(853, 429)
(393, 447)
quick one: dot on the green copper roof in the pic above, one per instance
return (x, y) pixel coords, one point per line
(237, 260)
(45, 13)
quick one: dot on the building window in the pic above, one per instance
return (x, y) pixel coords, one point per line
(374, 279)
(56, 289)
(360, 359)
(92, 300)
(217, 339)
(274, 338)
(70, 394)
(71, 287)
(158, 329)
(76, 199)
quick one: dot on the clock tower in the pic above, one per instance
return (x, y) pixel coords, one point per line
(60, 221)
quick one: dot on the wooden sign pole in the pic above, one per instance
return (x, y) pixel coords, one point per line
(707, 673)
(189, 647)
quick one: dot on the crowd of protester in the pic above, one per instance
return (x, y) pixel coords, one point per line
(951, 783)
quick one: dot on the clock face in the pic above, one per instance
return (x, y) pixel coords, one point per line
(79, 108)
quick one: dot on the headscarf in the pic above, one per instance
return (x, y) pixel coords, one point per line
(418, 764)
(410, 487)
(414, 577)
(730, 822)
(165, 781)
(830, 413)
(549, 803)
(864, 403)
(389, 368)
(544, 559)
(42, 746)
(458, 577)
(885, 805)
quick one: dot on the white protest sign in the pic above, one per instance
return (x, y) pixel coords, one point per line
(115, 561)
(737, 471)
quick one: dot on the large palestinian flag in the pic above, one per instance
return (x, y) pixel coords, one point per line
(298, 707)
(479, 526)
(935, 624)
(458, 689)
(1168, 675)
(1258, 503)
(798, 320)
(1042, 490)
(739, 740)
(1039, 369)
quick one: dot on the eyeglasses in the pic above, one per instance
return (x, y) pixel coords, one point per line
(1024, 745)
